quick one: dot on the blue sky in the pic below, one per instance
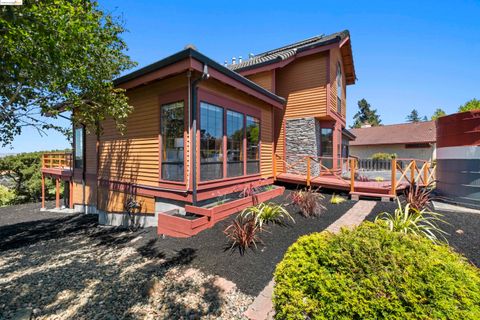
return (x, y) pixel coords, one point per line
(419, 54)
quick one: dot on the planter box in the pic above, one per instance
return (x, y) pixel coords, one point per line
(176, 226)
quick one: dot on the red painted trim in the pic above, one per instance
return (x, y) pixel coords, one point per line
(267, 67)
(344, 41)
(329, 98)
(317, 50)
(225, 102)
(208, 193)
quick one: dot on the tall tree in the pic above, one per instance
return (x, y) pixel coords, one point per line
(438, 113)
(414, 116)
(471, 105)
(366, 115)
(59, 56)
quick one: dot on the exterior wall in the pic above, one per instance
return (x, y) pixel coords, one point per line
(365, 152)
(335, 57)
(302, 138)
(264, 79)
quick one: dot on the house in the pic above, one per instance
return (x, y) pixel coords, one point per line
(407, 140)
(201, 131)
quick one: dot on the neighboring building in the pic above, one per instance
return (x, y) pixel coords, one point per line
(407, 140)
(275, 105)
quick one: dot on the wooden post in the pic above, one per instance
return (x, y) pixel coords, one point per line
(425, 173)
(308, 171)
(70, 194)
(352, 175)
(412, 172)
(57, 193)
(43, 191)
(274, 165)
(393, 190)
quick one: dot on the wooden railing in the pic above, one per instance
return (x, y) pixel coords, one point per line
(57, 160)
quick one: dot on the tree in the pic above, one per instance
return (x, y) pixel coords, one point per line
(471, 105)
(438, 113)
(414, 116)
(59, 56)
(366, 115)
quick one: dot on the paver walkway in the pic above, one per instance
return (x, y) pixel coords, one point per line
(262, 306)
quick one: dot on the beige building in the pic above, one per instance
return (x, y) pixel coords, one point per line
(407, 140)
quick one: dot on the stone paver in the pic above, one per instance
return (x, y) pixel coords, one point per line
(262, 306)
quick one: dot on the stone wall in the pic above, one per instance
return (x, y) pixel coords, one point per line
(302, 137)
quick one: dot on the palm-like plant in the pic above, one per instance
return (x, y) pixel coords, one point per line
(242, 233)
(266, 213)
(411, 220)
(336, 199)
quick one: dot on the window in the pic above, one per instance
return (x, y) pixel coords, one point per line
(253, 145)
(235, 136)
(211, 142)
(79, 147)
(172, 131)
(339, 88)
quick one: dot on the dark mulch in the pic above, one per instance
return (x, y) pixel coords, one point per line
(462, 228)
(27, 212)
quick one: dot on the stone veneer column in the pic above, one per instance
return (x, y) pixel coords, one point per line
(302, 137)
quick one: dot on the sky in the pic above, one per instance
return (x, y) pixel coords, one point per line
(418, 54)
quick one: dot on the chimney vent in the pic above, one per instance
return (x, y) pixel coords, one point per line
(234, 61)
(239, 59)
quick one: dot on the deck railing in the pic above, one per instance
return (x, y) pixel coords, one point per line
(57, 160)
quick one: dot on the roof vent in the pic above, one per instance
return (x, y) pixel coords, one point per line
(225, 63)
(250, 56)
(234, 61)
(190, 46)
(239, 59)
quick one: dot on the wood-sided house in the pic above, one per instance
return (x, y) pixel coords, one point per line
(201, 131)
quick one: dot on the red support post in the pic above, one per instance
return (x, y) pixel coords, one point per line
(70, 194)
(57, 193)
(43, 191)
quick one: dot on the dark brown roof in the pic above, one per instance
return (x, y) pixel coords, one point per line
(285, 52)
(419, 132)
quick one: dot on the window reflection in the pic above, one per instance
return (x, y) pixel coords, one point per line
(235, 135)
(172, 130)
(253, 145)
(211, 142)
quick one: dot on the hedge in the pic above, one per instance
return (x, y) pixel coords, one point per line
(372, 273)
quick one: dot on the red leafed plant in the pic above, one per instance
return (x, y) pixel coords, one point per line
(242, 234)
(308, 201)
(419, 197)
(247, 191)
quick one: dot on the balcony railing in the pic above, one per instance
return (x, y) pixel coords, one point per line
(61, 160)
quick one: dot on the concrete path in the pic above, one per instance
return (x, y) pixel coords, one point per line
(262, 306)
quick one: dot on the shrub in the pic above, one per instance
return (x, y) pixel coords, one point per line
(419, 198)
(383, 156)
(266, 213)
(336, 199)
(308, 201)
(371, 273)
(410, 220)
(242, 233)
(7, 196)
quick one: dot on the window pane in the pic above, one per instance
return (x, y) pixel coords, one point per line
(79, 147)
(235, 135)
(172, 129)
(326, 146)
(211, 142)
(253, 145)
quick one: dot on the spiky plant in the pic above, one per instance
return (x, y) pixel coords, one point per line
(242, 233)
(419, 197)
(266, 213)
(407, 219)
(337, 199)
(308, 201)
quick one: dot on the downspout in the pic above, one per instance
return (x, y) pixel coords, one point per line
(205, 75)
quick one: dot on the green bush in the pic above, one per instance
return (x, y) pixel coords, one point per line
(372, 273)
(7, 196)
(384, 156)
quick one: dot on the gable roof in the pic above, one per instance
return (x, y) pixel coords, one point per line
(417, 132)
(288, 51)
(194, 54)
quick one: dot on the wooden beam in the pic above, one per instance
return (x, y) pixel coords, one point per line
(70, 194)
(352, 175)
(308, 171)
(57, 193)
(393, 190)
(43, 191)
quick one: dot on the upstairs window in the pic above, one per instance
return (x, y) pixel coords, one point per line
(339, 88)
(253, 145)
(211, 142)
(79, 147)
(172, 131)
(235, 136)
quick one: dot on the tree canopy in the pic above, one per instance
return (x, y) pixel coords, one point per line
(438, 113)
(471, 105)
(366, 115)
(59, 56)
(414, 116)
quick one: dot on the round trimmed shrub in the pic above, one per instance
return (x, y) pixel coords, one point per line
(373, 273)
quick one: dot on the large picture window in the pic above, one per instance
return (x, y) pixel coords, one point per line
(253, 145)
(172, 130)
(79, 147)
(235, 135)
(211, 142)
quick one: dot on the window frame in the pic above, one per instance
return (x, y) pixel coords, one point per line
(210, 97)
(179, 95)
(200, 141)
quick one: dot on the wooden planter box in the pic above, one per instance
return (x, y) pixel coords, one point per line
(180, 227)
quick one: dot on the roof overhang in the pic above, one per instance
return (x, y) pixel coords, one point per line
(190, 59)
(347, 57)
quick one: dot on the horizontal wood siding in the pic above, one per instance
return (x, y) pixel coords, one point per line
(134, 156)
(304, 84)
(90, 192)
(266, 121)
(114, 201)
(263, 79)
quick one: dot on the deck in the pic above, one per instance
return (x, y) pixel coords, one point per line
(57, 166)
